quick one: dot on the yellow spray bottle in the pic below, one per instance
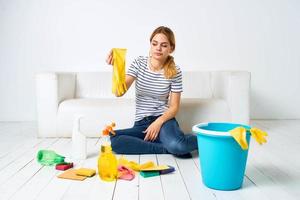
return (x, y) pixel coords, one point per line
(107, 161)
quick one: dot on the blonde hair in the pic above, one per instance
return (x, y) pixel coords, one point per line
(169, 66)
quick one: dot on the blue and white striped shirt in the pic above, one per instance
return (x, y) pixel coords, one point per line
(152, 88)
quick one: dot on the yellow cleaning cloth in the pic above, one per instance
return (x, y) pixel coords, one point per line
(156, 168)
(258, 135)
(133, 165)
(85, 172)
(239, 134)
(119, 84)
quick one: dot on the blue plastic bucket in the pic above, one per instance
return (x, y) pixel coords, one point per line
(222, 159)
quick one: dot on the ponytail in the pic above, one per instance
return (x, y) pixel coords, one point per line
(170, 70)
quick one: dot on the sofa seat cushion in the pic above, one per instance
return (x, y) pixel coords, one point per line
(99, 113)
(193, 111)
(96, 114)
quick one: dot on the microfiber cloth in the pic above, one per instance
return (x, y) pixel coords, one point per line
(134, 165)
(125, 173)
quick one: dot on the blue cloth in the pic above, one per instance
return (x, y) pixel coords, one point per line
(171, 139)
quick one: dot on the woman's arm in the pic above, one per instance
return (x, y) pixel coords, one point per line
(171, 112)
(153, 130)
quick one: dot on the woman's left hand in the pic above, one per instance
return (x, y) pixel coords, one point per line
(153, 130)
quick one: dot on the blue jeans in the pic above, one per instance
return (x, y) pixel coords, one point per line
(171, 139)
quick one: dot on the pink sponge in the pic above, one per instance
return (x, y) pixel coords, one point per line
(64, 166)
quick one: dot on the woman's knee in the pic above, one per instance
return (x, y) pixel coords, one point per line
(115, 143)
(175, 147)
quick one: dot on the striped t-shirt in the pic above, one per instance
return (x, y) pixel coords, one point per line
(152, 88)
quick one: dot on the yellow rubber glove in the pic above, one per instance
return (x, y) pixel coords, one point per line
(239, 134)
(119, 85)
(258, 135)
(133, 165)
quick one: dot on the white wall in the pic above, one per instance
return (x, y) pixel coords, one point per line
(261, 36)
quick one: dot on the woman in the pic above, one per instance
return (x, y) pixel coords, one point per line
(158, 89)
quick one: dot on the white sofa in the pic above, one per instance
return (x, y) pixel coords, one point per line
(208, 96)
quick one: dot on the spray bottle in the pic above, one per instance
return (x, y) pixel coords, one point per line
(107, 161)
(79, 149)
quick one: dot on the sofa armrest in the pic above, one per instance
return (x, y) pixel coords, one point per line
(238, 96)
(51, 89)
(234, 88)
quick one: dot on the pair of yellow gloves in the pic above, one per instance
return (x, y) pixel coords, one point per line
(118, 83)
(239, 134)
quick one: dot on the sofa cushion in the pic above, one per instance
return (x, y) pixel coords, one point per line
(96, 114)
(193, 111)
(99, 112)
(97, 85)
(196, 85)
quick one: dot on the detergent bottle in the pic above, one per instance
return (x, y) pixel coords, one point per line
(107, 161)
(79, 149)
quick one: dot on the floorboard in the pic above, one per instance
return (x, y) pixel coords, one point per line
(272, 172)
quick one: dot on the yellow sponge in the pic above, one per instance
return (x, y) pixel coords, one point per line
(85, 172)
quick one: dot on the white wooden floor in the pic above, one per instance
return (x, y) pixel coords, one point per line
(273, 170)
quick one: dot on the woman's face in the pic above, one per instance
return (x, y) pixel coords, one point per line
(160, 47)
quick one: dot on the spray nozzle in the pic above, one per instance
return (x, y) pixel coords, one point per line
(109, 129)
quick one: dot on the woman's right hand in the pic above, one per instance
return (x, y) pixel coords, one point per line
(109, 58)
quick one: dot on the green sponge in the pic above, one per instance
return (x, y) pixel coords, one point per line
(146, 174)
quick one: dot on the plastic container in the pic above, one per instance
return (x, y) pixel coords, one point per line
(49, 157)
(222, 160)
(79, 149)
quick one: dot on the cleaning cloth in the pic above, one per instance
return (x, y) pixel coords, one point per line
(125, 173)
(134, 165)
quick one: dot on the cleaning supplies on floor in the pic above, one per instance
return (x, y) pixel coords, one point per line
(239, 134)
(107, 161)
(125, 173)
(134, 165)
(49, 157)
(71, 174)
(85, 172)
(147, 169)
(119, 77)
(149, 174)
(167, 171)
(64, 166)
